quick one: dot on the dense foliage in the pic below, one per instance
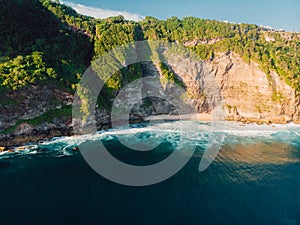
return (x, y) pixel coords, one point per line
(43, 39)
(111, 33)
(21, 71)
(27, 27)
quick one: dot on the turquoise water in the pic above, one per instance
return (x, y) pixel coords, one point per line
(255, 179)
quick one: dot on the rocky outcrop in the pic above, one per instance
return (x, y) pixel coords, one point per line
(30, 102)
(59, 126)
(195, 42)
(26, 133)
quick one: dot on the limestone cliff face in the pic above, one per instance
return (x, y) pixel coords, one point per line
(248, 92)
(243, 90)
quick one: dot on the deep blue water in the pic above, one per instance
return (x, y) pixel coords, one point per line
(255, 179)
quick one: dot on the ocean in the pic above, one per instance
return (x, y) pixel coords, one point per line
(254, 179)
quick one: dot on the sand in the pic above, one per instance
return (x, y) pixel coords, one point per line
(193, 116)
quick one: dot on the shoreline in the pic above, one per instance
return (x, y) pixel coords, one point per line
(206, 117)
(36, 135)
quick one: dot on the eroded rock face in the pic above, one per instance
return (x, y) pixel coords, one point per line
(243, 90)
(30, 102)
(250, 93)
(25, 133)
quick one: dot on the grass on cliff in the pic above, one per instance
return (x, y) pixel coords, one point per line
(46, 117)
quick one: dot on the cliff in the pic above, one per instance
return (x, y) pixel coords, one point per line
(44, 54)
(248, 95)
